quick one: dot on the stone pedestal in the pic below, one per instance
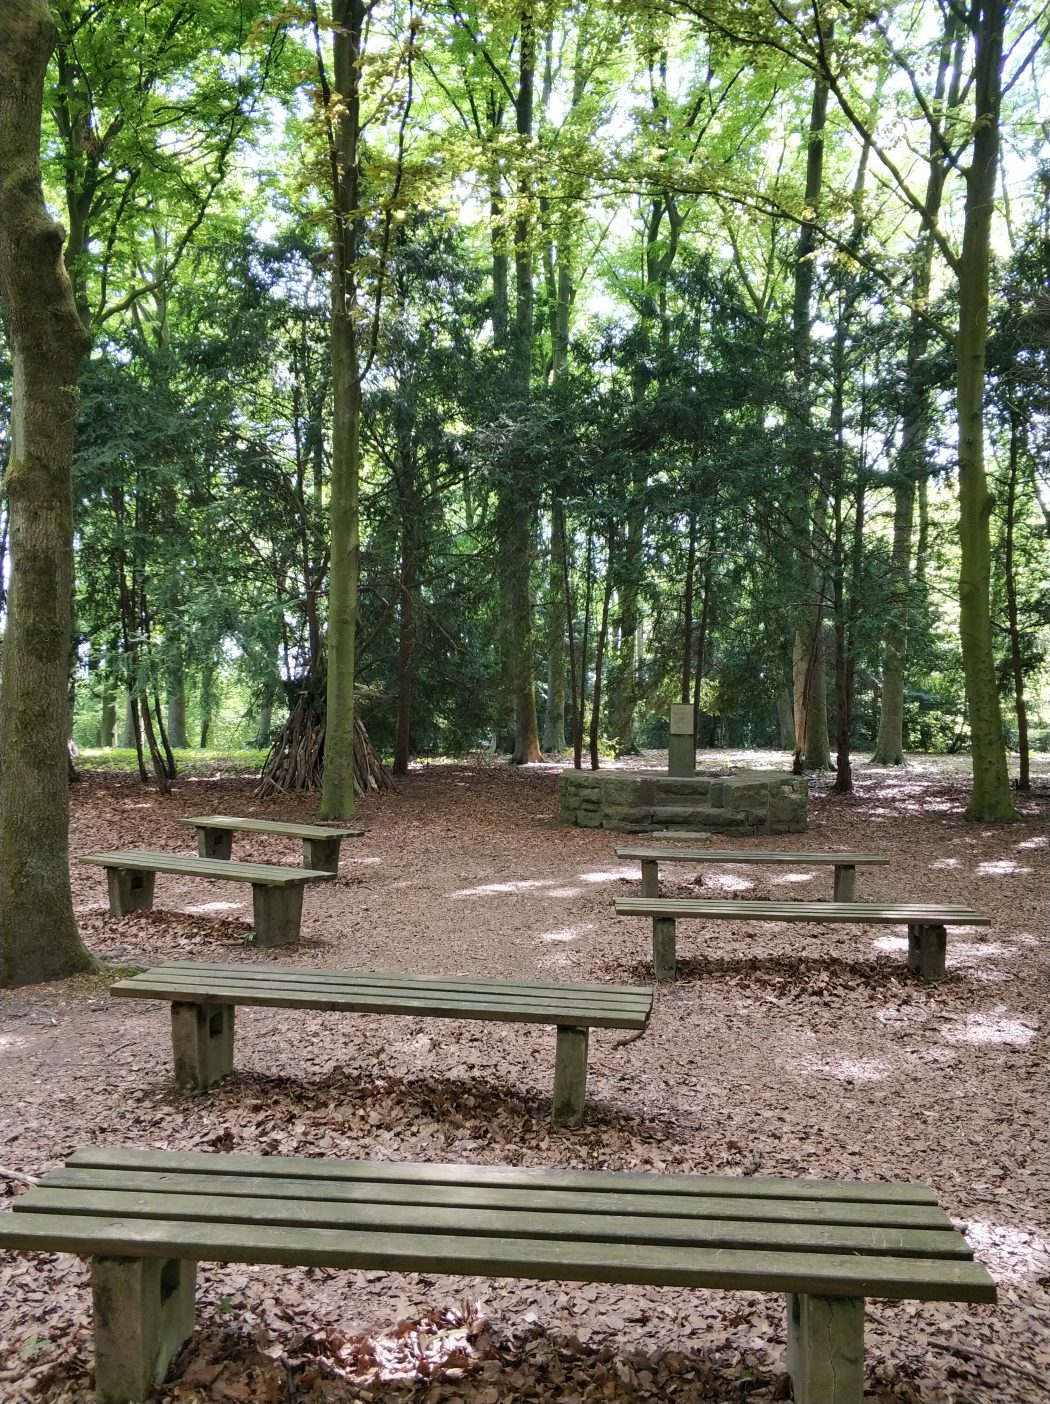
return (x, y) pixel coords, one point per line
(681, 743)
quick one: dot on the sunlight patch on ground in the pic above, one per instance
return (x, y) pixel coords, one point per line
(617, 876)
(1020, 1247)
(1000, 867)
(11, 1041)
(782, 878)
(206, 908)
(490, 889)
(986, 1028)
(890, 943)
(946, 863)
(728, 882)
(566, 892)
(567, 933)
(1040, 841)
(858, 1069)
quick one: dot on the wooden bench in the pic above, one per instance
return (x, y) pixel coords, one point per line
(845, 864)
(203, 998)
(277, 893)
(927, 924)
(320, 845)
(145, 1218)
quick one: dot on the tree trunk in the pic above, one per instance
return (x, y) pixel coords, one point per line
(48, 341)
(599, 658)
(911, 460)
(812, 750)
(1012, 614)
(554, 739)
(520, 543)
(990, 797)
(176, 700)
(337, 795)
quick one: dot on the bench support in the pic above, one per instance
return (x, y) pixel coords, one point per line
(650, 877)
(664, 948)
(278, 914)
(570, 1076)
(845, 882)
(321, 854)
(926, 951)
(129, 890)
(202, 1041)
(143, 1314)
(215, 843)
(825, 1349)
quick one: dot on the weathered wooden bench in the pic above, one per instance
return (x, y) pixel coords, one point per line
(204, 996)
(277, 893)
(845, 864)
(927, 924)
(146, 1218)
(320, 845)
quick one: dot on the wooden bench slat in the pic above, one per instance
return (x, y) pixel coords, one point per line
(437, 1005)
(381, 977)
(821, 1274)
(374, 982)
(503, 1176)
(269, 826)
(549, 1201)
(732, 855)
(527, 1225)
(859, 912)
(263, 874)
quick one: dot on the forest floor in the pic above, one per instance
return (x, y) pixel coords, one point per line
(780, 1050)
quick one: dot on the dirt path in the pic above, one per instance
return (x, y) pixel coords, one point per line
(782, 1050)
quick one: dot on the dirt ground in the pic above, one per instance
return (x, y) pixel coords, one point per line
(779, 1050)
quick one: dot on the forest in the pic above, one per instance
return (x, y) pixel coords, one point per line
(510, 371)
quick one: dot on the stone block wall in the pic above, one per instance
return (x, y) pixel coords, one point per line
(641, 801)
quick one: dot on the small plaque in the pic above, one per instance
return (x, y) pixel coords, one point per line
(681, 719)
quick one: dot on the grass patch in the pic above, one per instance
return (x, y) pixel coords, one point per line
(118, 760)
(97, 982)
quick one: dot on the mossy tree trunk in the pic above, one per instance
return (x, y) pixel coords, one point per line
(48, 341)
(337, 795)
(990, 797)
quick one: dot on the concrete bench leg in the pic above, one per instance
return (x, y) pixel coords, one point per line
(927, 946)
(650, 877)
(202, 1041)
(570, 1076)
(845, 883)
(143, 1315)
(664, 947)
(130, 890)
(278, 914)
(215, 843)
(321, 854)
(825, 1349)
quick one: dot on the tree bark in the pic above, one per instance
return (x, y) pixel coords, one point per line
(48, 341)
(911, 460)
(812, 750)
(990, 797)
(1013, 622)
(337, 795)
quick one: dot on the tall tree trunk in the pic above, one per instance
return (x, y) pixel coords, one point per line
(911, 460)
(337, 795)
(554, 739)
(599, 659)
(1012, 614)
(175, 694)
(812, 750)
(990, 797)
(521, 519)
(48, 341)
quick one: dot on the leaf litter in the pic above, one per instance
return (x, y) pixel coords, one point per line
(779, 1050)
